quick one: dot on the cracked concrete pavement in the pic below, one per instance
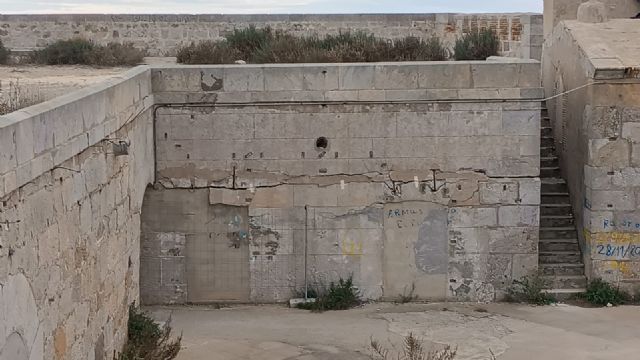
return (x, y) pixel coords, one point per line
(508, 331)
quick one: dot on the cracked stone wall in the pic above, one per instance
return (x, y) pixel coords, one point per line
(401, 175)
(520, 34)
(597, 133)
(70, 220)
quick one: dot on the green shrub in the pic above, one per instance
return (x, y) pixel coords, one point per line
(600, 292)
(247, 41)
(65, 52)
(207, 52)
(530, 289)
(4, 53)
(416, 49)
(263, 46)
(147, 340)
(116, 54)
(412, 349)
(477, 45)
(340, 296)
(85, 52)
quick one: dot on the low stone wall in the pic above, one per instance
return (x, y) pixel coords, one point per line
(70, 220)
(401, 175)
(520, 34)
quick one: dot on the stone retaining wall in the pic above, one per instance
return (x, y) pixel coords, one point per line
(398, 174)
(70, 219)
(520, 34)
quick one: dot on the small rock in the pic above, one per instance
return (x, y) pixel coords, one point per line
(240, 62)
(609, 305)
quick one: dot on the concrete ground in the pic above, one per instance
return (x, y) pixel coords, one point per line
(508, 331)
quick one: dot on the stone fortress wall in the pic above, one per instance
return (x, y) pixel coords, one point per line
(427, 176)
(521, 34)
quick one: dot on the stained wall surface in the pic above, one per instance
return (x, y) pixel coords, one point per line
(70, 220)
(400, 175)
(520, 34)
(595, 127)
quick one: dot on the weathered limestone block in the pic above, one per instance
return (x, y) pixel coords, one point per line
(592, 11)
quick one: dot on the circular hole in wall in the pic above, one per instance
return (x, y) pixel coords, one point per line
(322, 142)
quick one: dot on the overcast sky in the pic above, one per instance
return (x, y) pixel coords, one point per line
(267, 6)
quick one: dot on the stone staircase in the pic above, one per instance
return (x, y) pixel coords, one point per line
(560, 259)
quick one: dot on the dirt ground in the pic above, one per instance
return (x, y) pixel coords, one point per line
(41, 83)
(31, 84)
(510, 332)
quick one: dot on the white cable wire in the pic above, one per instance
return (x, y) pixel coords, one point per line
(572, 90)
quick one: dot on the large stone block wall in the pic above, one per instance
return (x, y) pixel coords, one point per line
(70, 220)
(369, 203)
(520, 34)
(596, 131)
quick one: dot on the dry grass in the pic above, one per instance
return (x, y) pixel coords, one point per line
(264, 46)
(412, 349)
(15, 96)
(84, 52)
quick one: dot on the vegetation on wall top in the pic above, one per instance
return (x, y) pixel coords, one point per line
(262, 46)
(84, 52)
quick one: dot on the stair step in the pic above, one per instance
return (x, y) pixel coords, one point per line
(567, 281)
(556, 220)
(547, 150)
(552, 171)
(560, 269)
(565, 294)
(547, 141)
(552, 246)
(558, 233)
(554, 187)
(555, 209)
(555, 198)
(555, 257)
(550, 161)
(546, 131)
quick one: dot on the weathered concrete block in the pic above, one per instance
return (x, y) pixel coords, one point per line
(519, 216)
(396, 76)
(631, 132)
(312, 195)
(244, 79)
(283, 78)
(276, 197)
(607, 153)
(521, 122)
(230, 197)
(473, 217)
(610, 200)
(357, 77)
(503, 192)
(529, 191)
(321, 78)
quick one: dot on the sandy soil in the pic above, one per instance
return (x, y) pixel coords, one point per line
(42, 83)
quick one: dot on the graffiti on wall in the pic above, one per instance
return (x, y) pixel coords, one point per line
(614, 245)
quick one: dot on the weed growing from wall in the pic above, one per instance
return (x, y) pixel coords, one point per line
(601, 293)
(339, 296)
(148, 340)
(530, 289)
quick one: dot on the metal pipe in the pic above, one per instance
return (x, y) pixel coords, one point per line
(306, 230)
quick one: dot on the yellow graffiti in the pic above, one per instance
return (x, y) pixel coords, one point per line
(616, 237)
(351, 248)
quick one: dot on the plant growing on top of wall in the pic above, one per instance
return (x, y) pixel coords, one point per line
(4, 53)
(530, 289)
(477, 45)
(84, 52)
(339, 296)
(148, 340)
(263, 46)
(600, 292)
